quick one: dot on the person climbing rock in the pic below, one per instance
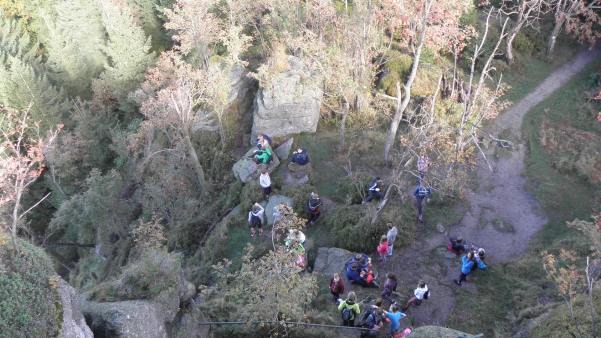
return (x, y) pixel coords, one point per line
(374, 190)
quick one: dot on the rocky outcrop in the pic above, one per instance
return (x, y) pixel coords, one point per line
(136, 318)
(247, 170)
(275, 200)
(331, 260)
(73, 322)
(439, 332)
(290, 106)
(283, 151)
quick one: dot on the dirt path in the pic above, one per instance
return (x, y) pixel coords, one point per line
(500, 197)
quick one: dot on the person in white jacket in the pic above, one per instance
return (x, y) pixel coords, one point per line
(265, 182)
(419, 294)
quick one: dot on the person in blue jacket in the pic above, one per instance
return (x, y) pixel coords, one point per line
(300, 157)
(421, 191)
(374, 190)
(466, 267)
(356, 276)
(361, 259)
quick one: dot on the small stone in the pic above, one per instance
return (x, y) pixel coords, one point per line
(440, 227)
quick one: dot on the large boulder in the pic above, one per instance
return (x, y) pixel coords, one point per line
(290, 106)
(131, 319)
(331, 260)
(275, 200)
(73, 322)
(247, 170)
(283, 151)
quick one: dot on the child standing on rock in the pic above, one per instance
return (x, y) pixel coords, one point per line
(265, 182)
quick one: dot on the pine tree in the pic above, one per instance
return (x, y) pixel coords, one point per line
(129, 52)
(22, 78)
(73, 30)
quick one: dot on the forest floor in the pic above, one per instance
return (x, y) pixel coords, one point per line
(502, 215)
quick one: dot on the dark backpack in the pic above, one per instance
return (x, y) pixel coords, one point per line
(255, 221)
(427, 294)
(347, 314)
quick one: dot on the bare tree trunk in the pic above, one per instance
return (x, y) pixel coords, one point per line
(13, 234)
(553, 37)
(394, 124)
(343, 122)
(200, 175)
(509, 57)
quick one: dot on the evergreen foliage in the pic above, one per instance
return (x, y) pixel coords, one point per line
(128, 50)
(27, 298)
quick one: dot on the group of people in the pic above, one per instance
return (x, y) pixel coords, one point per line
(474, 258)
(358, 272)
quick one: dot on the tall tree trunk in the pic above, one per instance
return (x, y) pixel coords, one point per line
(553, 37)
(396, 120)
(200, 175)
(13, 234)
(509, 57)
(343, 122)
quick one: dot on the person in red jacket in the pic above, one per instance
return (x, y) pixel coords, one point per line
(336, 287)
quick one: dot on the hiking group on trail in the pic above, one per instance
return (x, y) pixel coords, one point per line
(359, 267)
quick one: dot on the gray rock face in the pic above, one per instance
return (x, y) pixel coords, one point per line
(275, 200)
(132, 319)
(291, 106)
(283, 151)
(331, 260)
(247, 170)
(238, 82)
(73, 323)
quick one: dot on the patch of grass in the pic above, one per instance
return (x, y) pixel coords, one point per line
(501, 225)
(481, 312)
(482, 222)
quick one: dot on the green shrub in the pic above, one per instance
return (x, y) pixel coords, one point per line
(145, 278)
(353, 190)
(300, 194)
(522, 44)
(27, 300)
(350, 226)
(398, 65)
(469, 18)
(251, 194)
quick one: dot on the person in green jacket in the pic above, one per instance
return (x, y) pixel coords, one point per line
(349, 304)
(262, 156)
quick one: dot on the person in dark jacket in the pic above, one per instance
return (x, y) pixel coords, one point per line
(313, 207)
(421, 191)
(300, 157)
(457, 245)
(354, 275)
(361, 259)
(374, 190)
(389, 286)
(373, 322)
(466, 267)
(336, 287)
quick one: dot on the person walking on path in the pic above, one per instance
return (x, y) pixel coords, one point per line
(418, 295)
(466, 267)
(391, 235)
(255, 219)
(421, 191)
(389, 287)
(313, 207)
(423, 164)
(336, 287)
(395, 319)
(374, 190)
(348, 319)
(265, 182)
(383, 248)
(373, 322)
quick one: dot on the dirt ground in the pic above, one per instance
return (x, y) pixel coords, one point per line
(500, 197)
